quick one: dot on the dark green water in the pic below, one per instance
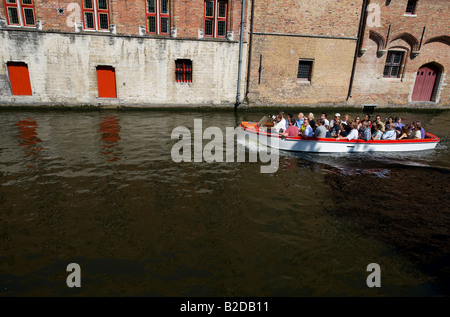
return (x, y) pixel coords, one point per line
(99, 188)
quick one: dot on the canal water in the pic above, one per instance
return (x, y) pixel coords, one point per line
(100, 189)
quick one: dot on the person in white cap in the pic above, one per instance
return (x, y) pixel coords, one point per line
(336, 120)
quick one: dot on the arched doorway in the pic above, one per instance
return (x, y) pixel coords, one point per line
(426, 83)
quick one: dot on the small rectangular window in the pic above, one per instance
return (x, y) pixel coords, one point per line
(304, 70)
(151, 24)
(13, 16)
(411, 7)
(393, 64)
(183, 70)
(165, 6)
(29, 16)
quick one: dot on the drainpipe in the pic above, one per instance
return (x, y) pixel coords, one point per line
(238, 94)
(358, 43)
(250, 48)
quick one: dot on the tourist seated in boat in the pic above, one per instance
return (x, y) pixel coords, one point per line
(390, 134)
(342, 132)
(388, 122)
(299, 121)
(280, 124)
(321, 130)
(422, 130)
(366, 118)
(336, 121)
(398, 123)
(352, 135)
(346, 119)
(366, 133)
(358, 121)
(416, 134)
(292, 130)
(312, 122)
(405, 133)
(289, 118)
(326, 122)
(308, 130)
(335, 125)
(376, 135)
(378, 121)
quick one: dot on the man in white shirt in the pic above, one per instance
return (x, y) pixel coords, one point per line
(326, 123)
(353, 134)
(280, 126)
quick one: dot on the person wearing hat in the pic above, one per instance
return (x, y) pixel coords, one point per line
(335, 125)
(337, 116)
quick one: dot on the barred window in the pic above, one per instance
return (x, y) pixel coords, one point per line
(393, 64)
(183, 71)
(304, 70)
(158, 16)
(20, 13)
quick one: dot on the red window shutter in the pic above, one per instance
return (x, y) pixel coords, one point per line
(106, 78)
(20, 78)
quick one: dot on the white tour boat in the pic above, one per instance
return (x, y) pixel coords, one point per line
(331, 145)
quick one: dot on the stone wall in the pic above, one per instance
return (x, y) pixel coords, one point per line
(62, 69)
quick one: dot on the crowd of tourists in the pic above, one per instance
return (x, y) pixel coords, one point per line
(346, 127)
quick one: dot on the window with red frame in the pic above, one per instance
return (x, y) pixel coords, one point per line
(96, 15)
(393, 64)
(20, 12)
(183, 71)
(215, 18)
(158, 16)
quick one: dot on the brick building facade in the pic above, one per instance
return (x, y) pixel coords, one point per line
(127, 52)
(405, 54)
(302, 51)
(186, 52)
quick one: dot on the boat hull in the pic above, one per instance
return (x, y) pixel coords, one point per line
(331, 145)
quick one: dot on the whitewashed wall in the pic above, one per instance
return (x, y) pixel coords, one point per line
(62, 69)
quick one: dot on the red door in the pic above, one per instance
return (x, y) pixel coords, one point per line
(20, 78)
(106, 78)
(425, 83)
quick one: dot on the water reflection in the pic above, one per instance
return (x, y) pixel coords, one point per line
(29, 137)
(210, 229)
(109, 129)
